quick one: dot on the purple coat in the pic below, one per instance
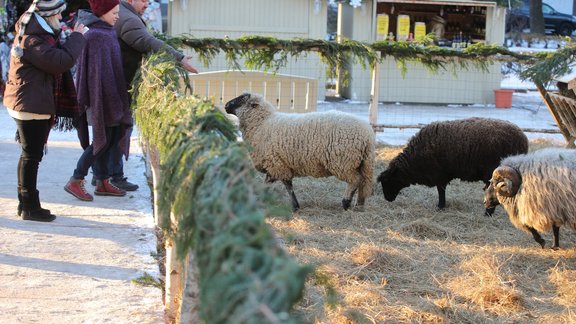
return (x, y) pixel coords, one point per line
(101, 87)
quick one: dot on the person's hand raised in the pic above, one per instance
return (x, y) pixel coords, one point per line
(187, 66)
(79, 27)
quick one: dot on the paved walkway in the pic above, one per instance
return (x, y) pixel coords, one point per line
(79, 268)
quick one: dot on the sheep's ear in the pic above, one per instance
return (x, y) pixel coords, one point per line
(506, 181)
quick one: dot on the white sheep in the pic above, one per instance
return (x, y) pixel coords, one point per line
(537, 190)
(317, 144)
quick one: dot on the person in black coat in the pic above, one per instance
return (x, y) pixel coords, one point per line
(37, 95)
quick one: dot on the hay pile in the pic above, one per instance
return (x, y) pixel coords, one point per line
(404, 261)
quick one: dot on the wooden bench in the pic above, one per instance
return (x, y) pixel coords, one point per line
(289, 93)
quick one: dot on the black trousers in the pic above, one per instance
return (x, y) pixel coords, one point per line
(33, 135)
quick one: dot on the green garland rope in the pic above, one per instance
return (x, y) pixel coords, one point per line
(270, 54)
(209, 184)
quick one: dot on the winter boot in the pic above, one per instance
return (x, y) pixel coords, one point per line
(38, 215)
(105, 188)
(20, 206)
(124, 184)
(31, 209)
(76, 188)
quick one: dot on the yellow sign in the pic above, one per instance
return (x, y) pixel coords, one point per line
(382, 26)
(403, 27)
(419, 29)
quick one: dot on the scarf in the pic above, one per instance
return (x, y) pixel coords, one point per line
(68, 111)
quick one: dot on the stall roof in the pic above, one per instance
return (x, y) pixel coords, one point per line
(446, 2)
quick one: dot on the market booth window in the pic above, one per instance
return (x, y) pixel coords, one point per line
(455, 24)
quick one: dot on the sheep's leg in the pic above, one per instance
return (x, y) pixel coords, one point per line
(361, 197)
(364, 191)
(537, 236)
(288, 185)
(347, 200)
(351, 188)
(556, 232)
(441, 196)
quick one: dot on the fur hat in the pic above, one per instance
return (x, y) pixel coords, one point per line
(100, 7)
(47, 8)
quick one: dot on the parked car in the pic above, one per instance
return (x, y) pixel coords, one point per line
(555, 22)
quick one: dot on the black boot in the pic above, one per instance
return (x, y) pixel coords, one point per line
(31, 209)
(37, 215)
(19, 208)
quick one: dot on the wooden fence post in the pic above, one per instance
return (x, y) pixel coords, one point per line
(174, 280)
(174, 283)
(191, 295)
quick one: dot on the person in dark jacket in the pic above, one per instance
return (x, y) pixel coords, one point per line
(37, 94)
(135, 41)
(102, 92)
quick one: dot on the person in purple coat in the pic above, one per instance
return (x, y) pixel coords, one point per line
(37, 95)
(135, 42)
(102, 92)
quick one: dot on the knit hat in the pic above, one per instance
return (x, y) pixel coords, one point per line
(47, 8)
(100, 7)
(44, 8)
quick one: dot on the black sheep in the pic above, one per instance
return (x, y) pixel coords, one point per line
(468, 149)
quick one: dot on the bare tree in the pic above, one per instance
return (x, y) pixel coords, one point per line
(536, 17)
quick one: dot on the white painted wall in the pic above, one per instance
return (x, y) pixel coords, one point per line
(283, 19)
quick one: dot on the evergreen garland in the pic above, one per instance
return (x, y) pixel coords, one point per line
(210, 186)
(549, 65)
(268, 53)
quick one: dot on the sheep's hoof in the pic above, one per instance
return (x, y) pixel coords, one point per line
(555, 248)
(346, 203)
(295, 206)
(489, 211)
(543, 243)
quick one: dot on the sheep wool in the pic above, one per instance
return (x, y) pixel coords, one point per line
(546, 196)
(316, 144)
(468, 149)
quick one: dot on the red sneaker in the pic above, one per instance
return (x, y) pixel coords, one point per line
(105, 188)
(76, 188)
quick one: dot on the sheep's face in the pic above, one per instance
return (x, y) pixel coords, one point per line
(233, 105)
(490, 198)
(391, 184)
